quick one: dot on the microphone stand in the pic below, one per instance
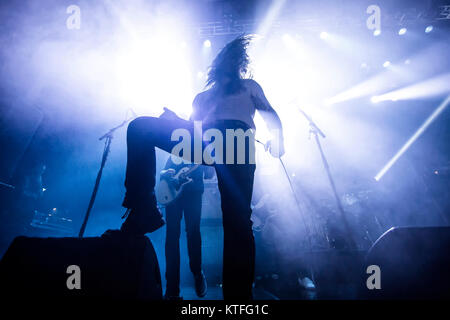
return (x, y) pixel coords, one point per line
(108, 138)
(311, 265)
(315, 130)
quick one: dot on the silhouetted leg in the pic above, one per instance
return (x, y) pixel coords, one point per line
(174, 213)
(236, 186)
(192, 214)
(143, 135)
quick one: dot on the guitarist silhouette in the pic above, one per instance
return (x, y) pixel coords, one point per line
(189, 203)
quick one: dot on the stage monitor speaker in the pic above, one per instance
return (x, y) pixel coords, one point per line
(414, 263)
(112, 267)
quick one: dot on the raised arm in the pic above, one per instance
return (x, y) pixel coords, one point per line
(269, 115)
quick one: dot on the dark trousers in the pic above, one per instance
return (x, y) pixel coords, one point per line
(235, 186)
(190, 204)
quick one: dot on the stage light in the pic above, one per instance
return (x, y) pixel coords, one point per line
(375, 99)
(407, 61)
(207, 44)
(287, 37)
(386, 64)
(324, 35)
(144, 63)
(413, 138)
(289, 41)
(377, 32)
(428, 29)
(402, 31)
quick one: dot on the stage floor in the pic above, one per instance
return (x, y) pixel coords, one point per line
(215, 293)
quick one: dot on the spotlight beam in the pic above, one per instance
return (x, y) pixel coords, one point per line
(413, 138)
(428, 88)
(270, 17)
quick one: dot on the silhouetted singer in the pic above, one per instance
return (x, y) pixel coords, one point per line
(229, 102)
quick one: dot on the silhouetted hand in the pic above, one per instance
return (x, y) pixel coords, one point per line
(168, 114)
(275, 147)
(167, 174)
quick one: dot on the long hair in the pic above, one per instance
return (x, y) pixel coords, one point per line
(231, 63)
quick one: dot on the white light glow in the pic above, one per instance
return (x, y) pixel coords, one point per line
(324, 35)
(207, 44)
(149, 70)
(424, 89)
(287, 37)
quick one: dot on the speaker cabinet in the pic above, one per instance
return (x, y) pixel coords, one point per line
(115, 267)
(414, 263)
